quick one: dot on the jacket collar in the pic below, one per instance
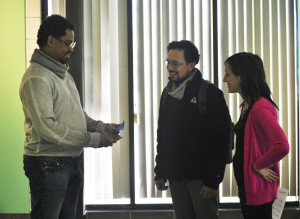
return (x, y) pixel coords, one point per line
(177, 92)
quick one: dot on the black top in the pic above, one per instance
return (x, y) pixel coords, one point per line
(190, 145)
(238, 159)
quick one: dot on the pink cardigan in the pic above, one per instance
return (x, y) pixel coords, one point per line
(265, 144)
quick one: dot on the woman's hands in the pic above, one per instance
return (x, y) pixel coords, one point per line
(267, 174)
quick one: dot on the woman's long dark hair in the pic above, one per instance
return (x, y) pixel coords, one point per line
(253, 78)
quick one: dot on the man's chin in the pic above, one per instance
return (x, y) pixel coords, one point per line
(65, 61)
(173, 78)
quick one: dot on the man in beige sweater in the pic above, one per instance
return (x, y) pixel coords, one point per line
(56, 127)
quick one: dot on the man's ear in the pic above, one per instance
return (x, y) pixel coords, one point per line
(191, 65)
(50, 41)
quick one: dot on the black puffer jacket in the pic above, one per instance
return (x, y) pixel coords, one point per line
(190, 145)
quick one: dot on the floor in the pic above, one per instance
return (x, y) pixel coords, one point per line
(288, 213)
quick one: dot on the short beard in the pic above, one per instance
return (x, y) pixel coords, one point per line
(180, 80)
(65, 60)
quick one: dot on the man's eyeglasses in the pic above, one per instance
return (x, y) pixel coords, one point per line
(174, 64)
(69, 44)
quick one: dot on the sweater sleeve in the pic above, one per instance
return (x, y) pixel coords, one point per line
(94, 125)
(37, 100)
(265, 118)
(218, 129)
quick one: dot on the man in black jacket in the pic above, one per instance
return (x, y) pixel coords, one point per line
(192, 147)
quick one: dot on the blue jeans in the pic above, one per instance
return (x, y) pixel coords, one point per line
(54, 183)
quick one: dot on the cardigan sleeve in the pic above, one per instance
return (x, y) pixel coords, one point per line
(266, 118)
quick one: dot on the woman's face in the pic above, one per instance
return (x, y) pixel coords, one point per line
(233, 81)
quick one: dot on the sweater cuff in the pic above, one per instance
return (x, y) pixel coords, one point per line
(94, 140)
(101, 127)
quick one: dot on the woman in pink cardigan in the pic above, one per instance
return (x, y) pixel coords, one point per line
(260, 141)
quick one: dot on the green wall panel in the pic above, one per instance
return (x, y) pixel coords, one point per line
(14, 196)
(298, 62)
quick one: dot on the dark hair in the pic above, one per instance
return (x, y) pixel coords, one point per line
(191, 53)
(54, 25)
(253, 78)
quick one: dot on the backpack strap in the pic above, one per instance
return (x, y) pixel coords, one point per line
(203, 111)
(202, 96)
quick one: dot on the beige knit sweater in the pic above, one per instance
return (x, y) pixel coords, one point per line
(55, 123)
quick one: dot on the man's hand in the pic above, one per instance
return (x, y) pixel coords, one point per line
(161, 185)
(114, 134)
(207, 192)
(106, 141)
(267, 174)
(113, 127)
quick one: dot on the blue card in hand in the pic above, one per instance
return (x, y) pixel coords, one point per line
(121, 127)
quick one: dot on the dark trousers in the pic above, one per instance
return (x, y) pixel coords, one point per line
(187, 202)
(54, 183)
(263, 211)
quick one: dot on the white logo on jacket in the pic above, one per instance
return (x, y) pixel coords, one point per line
(193, 100)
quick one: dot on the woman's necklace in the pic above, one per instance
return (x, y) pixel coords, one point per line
(245, 108)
